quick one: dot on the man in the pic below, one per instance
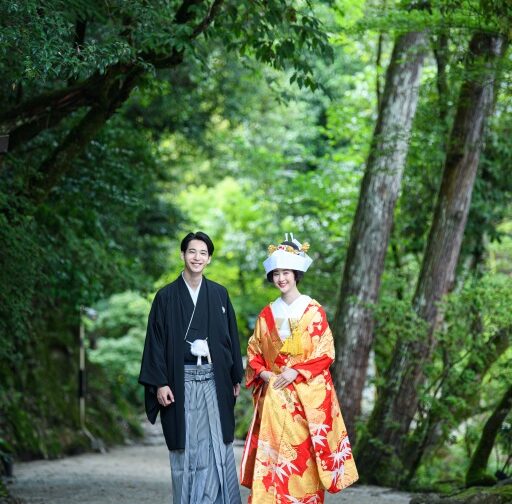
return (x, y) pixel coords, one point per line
(191, 370)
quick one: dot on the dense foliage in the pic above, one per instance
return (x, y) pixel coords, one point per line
(132, 123)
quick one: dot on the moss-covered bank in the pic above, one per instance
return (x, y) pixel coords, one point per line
(499, 494)
(40, 406)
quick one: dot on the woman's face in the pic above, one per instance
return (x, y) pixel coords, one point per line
(284, 280)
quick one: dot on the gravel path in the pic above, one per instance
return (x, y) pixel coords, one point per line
(134, 475)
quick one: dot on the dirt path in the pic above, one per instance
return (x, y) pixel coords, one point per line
(133, 475)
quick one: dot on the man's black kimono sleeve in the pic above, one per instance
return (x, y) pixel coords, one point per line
(153, 372)
(237, 371)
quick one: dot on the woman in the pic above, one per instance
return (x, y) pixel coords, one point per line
(297, 445)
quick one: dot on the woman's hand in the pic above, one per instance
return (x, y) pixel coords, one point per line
(266, 375)
(285, 378)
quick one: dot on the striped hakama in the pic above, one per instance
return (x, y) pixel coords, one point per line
(205, 472)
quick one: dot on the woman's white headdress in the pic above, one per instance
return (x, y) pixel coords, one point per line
(287, 257)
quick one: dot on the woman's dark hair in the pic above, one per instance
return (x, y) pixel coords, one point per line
(299, 275)
(197, 236)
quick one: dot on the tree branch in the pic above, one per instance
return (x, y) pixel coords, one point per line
(103, 93)
(62, 158)
(205, 23)
(183, 14)
(80, 28)
(26, 120)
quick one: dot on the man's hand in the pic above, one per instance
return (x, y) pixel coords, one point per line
(266, 375)
(285, 378)
(165, 396)
(236, 390)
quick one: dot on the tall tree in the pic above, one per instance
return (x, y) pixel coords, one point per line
(385, 441)
(373, 221)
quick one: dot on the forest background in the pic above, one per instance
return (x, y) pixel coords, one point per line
(379, 132)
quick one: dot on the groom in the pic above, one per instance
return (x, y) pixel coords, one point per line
(191, 370)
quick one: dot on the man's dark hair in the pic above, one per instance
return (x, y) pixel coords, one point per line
(299, 275)
(197, 236)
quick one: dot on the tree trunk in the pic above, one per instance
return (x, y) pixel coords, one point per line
(397, 405)
(353, 326)
(476, 474)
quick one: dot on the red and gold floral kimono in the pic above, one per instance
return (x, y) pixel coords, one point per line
(297, 445)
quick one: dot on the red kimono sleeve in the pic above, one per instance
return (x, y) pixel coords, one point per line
(255, 361)
(311, 368)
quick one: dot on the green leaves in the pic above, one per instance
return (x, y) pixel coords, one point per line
(119, 336)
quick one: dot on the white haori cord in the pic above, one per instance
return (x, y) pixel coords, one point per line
(199, 347)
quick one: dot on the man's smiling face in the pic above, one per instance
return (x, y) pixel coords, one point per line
(196, 257)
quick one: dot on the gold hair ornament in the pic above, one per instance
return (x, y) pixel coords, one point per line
(288, 248)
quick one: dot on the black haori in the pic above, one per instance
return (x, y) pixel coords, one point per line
(164, 355)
